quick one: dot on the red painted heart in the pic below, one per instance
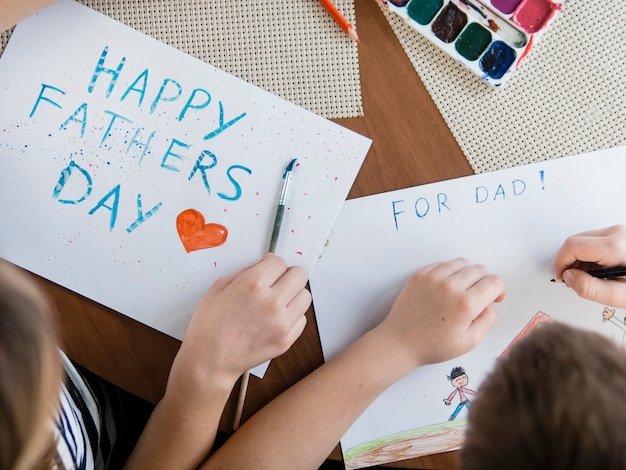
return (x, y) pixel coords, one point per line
(195, 234)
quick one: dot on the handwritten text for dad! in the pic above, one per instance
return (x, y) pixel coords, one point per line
(423, 206)
(138, 142)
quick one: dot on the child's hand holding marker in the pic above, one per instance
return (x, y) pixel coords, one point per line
(586, 252)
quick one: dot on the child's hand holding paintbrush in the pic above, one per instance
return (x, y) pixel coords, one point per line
(278, 221)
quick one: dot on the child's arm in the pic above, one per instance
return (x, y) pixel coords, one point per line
(448, 400)
(242, 321)
(14, 11)
(443, 311)
(595, 249)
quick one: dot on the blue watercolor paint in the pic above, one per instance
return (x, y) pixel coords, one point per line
(100, 69)
(203, 168)
(236, 185)
(114, 116)
(159, 97)
(223, 126)
(115, 194)
(41, 98)
(142, 145)
(189, 105)
(108, 73)
(289, 167)
(143, 77)
(169, 153)
(497, 60)
(142, 216)
(82, 120)
(65, 175)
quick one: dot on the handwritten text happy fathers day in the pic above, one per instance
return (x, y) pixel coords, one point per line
(114, 144)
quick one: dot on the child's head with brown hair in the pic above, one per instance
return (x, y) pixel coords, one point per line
(557, 401)
(30, 370)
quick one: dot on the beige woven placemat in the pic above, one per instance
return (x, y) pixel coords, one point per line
(567, 97)
(293, 49)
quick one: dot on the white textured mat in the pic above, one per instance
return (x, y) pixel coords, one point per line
(292, 49)
(567, 97)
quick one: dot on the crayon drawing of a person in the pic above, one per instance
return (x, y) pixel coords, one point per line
(608, 314)
(459, 380)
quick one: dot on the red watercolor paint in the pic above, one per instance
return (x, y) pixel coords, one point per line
(489, 37)
(534, 15)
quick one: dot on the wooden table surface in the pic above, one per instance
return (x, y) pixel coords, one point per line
(411, 146)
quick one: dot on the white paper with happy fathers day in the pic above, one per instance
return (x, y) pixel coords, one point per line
(513, 222)
(107, 135)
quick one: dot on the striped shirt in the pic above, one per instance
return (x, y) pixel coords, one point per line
(85, 427)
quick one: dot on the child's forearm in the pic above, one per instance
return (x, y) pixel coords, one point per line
(300, 428)
(181, 431)
(243, 320)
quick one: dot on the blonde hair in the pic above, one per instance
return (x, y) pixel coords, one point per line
(27, 334)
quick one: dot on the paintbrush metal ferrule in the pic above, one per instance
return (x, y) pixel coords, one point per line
(283, 191)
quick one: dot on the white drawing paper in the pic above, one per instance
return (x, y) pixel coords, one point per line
(513, 222)
(109, 137)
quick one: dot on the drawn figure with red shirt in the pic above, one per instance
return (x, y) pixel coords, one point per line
(459, 379)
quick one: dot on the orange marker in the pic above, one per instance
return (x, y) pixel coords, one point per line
(339, 19)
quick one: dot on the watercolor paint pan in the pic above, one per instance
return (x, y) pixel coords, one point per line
(489, 37)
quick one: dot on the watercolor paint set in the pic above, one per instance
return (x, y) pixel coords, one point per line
(489, 37)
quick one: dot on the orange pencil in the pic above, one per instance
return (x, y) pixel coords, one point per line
(340, 19)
